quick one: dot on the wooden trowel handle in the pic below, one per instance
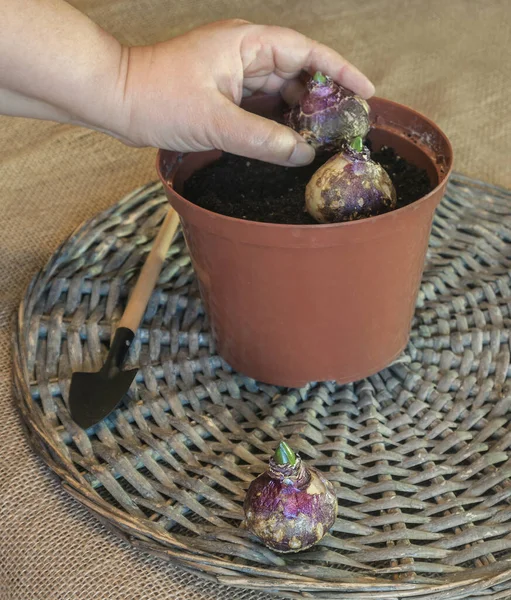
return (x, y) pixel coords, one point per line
(150, 272)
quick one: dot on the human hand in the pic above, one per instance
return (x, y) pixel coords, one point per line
(184, 94)
(181, 95)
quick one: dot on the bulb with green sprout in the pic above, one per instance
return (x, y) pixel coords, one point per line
(349, 186)
(291, 506)
(328, 115)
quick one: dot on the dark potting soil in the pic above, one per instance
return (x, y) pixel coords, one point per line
(259, 191)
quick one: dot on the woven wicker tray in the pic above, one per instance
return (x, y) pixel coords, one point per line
(420, 454)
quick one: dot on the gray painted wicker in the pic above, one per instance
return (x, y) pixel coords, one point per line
(420, 454)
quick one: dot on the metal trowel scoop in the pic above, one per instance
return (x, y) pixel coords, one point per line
(93, 396)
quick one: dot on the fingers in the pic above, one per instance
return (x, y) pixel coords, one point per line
(240, 132)
(291, 52)
(324, 59)
(292, 91)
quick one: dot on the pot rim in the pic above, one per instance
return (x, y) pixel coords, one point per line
(393, 214)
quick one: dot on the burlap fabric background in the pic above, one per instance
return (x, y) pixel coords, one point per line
(446, 58)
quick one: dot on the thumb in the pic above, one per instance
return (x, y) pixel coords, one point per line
(237, 131)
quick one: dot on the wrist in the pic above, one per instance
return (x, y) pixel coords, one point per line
(96, 98)
(134, 63)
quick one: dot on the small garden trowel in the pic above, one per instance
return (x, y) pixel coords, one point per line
(93, 396)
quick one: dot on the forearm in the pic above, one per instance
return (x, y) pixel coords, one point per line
(55, 63)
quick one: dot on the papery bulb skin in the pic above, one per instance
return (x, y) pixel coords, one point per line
(349, 186)
(291, 506)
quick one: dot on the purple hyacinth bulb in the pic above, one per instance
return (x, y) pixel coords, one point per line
(349, 186)
(290, 507)
(329, 116)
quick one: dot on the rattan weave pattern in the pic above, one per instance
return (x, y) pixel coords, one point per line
(420, 454)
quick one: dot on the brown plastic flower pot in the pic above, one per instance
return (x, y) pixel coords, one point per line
(289, 304)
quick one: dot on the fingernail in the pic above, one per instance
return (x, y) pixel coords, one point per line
(372, 90)
(303, 154)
